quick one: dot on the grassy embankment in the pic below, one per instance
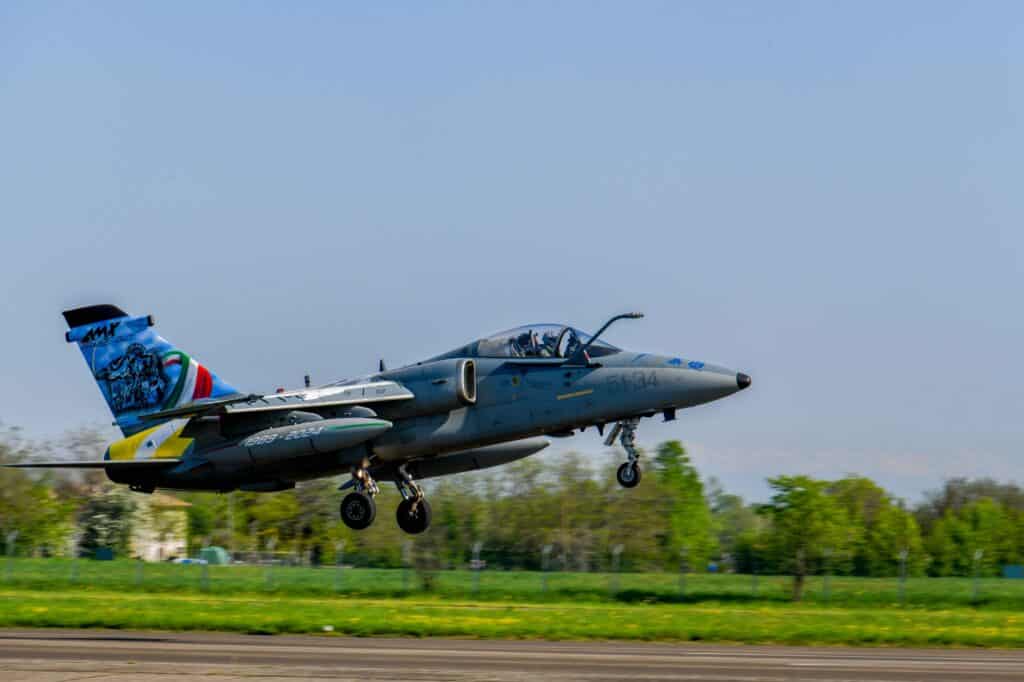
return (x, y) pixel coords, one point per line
(510, 604)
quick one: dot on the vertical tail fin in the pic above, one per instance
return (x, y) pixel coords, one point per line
(137, 370)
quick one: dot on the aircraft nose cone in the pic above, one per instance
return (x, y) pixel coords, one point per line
(742, 380)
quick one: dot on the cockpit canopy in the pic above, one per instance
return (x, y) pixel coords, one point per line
(533, 341)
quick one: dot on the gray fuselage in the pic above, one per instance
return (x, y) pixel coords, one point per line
(514, 399)
(522, 399)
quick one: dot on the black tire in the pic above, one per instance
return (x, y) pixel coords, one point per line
(412, 522)
(358, 510)
(628, 475)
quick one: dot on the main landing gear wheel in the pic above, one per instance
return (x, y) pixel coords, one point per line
(413, 515)
(628, 474)
(358, 510)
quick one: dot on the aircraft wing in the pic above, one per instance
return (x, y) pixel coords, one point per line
(99, 464)
(357, 393)
(362, 393)
(197, 408)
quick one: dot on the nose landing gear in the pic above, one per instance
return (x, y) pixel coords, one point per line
(628, 474)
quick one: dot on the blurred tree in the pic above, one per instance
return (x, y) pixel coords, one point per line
(317, 510)
(523, 514)
(983, 525)
(736, 526)
(581, 514)
(77, 485)
(986, 528)
(942, 546)
(635, 519)
(449, 529)
(807, 525)
(689, 526)
(203, 518)
(957, 493)
(570, 501)
(105, 522)
(894, 530)
(29, 503)
(883, 528)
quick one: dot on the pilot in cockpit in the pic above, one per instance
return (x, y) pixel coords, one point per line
(549, 345)
(532, 344)
(520, 345)
(573, 344)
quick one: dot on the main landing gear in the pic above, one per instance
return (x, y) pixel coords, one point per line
(628, 474)
(414, 512)
(359, 509)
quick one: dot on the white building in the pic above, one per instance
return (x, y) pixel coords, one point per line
(160, 527)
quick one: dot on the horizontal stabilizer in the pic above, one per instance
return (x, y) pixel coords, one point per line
(99, 464)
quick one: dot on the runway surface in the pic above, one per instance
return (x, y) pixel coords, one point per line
(59, 655)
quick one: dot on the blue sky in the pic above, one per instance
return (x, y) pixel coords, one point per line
(824, 195)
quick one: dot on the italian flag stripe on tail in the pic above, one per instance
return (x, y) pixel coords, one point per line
(193, 381)
(203, 382)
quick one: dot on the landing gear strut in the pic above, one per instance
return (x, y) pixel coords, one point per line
(414, 512)
(358, 509)
(628, 474)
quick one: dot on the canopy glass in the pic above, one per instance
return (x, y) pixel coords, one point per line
(534, 341)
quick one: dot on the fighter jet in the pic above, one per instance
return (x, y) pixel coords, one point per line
(486, 403)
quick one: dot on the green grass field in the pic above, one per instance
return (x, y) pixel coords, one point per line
(125, 594)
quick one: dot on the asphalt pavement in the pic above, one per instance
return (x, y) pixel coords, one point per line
(64, 655)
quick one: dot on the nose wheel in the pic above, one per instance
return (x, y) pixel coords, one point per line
(628, 474)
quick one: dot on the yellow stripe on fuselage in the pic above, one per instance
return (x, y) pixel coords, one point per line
(577, 394)
(160, 442)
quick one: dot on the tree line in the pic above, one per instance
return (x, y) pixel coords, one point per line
(571, 504)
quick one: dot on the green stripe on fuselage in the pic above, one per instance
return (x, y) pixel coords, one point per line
(343, 427)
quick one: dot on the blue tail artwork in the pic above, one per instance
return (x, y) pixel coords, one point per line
(138, 371)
